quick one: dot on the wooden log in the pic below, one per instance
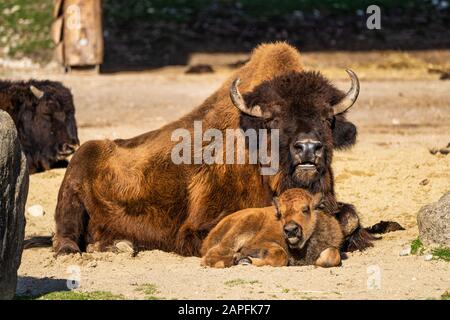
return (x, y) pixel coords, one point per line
(56, 30)
(58, 53)
(57, 8)
(83, 35)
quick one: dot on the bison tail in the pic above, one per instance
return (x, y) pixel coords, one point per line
(37, 242)
(360, 240)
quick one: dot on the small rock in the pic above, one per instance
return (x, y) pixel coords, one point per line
(405, 252)
(434, 222)
(428, 257)
(124, 246)
(36, 211)
(424, 182)
(92, 264)
(444, 151)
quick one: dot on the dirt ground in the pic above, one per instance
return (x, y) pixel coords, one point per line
(389, 175)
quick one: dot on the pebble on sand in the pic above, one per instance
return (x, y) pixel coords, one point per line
(36, 210)
(428, 257)
(405, 252)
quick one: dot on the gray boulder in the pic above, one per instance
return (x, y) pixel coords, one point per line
(13, 195)
(434, 222)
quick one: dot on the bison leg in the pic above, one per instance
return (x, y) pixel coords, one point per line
(70, 218)
(265, 254)
(328, 258)
(218, 257)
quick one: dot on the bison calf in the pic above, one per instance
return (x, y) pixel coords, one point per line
(44, 114)
(295, 231)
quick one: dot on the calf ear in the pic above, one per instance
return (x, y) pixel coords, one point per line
(36, 92)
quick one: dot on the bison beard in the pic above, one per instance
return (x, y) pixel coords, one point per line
(130, 189)
(44, 115)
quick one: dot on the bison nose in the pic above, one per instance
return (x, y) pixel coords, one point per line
(68, 149)
(308, 150)
(292, 230)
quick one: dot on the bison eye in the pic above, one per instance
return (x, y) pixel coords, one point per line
(305, 210)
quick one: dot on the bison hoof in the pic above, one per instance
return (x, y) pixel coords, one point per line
(67, 247)
(65, 250)
(245, 261)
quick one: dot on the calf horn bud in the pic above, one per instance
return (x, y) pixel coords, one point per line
(350, 97)
(37, 93)
(239, 102)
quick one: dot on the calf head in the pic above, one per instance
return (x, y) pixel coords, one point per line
(46, 122)
(296, 209)
(309, 113)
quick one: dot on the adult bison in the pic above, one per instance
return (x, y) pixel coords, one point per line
(131, 189)
(44, 115)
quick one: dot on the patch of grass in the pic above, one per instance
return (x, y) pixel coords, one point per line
(239, 282)
(441, 253)
(74, 295)
(150, 290)
(25, 28)
(147, 288)
(285, 290)
(416, 246)
(445, 296)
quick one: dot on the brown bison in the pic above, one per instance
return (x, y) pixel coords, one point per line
(294, 231)
(132, 189)
(44, 115)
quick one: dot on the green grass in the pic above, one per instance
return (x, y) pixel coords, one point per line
(239, 282)
(416, 246)
(25, 28)
(445, 296)
(441, 253)
(150, 290)
(74, 295)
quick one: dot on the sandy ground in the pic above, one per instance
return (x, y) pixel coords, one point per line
(399, 119)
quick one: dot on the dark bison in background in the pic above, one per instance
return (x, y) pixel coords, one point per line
(132, 190)
(44, 114)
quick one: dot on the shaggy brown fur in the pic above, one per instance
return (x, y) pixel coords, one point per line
(46, 125)
(256, 235)
(131, 189)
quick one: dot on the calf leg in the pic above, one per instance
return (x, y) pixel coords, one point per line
(265, 254)
(329, 257)
(218, 257)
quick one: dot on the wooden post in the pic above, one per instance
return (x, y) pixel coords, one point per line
(77, 33)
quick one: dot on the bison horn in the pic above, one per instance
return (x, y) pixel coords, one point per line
(37, 93)
(351, 95)
(239, 102)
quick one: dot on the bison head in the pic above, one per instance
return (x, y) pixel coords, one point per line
(310, 115)
(47, 127)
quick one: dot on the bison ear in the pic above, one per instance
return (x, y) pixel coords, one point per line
(36, 92)
(344, 133)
